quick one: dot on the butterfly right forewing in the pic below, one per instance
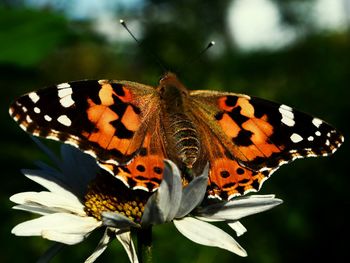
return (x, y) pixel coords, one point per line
(261, 131)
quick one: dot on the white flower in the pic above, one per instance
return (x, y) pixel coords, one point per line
(70, 209)
(63, 216)
(191, 214)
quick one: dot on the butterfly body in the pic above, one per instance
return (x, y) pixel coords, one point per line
(130, 128)
(181, 135)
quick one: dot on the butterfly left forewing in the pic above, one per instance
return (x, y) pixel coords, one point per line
(107, 119)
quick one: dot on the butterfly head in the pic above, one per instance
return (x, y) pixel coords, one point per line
(171, 88)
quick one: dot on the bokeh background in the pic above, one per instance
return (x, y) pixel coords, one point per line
(294, 51)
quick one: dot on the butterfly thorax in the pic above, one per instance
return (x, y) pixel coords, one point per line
(182, 142)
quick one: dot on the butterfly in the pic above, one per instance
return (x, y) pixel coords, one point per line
(130, 128)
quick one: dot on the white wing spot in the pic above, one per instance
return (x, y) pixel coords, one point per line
(64, 92)
(317, 122)
(296, 138)
(328, 143)
(65, 95)
(285, 107)
(28, 119)
(287, 115)
(37, 110)
(63, 119)
(67, 101)
(63, 85)
(34, 97)
(24, 109)
(47, 118)
(310, 138)
(328, 134)
(318, 133)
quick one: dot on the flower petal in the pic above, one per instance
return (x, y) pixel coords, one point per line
(65, 238)
(117, 220)
(239, 207)
(60, 227)
(51, 200)
(206, 234)
(50, 180)
(78, 168)
(36, 209)
(46, 150)
(102, 245)
(163, 205)
(238, 227)
(126, 241)
(193, 194)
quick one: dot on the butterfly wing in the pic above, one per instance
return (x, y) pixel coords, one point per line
(145, 171)
(227, 177)
(257, 136)
(107, 119)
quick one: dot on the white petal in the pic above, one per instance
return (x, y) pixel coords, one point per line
(174, 191)
(36, 209)
(206, 234)
(49, 181)
(46, 150)
(47, 168)
(117, 220)
(78, 168)
(65, 238)
(125, 239)
(60, 227)
(50, 200)
(102, 245)
(193, 194)
(239, 207)
(238, 227)
(163, 205)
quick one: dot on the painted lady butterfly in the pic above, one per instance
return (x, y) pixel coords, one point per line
(130, 128)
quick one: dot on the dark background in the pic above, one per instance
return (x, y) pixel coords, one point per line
(44, 45)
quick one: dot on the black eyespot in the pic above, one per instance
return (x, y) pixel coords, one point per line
(140, 168)
(224, 174)
(240, 171)
(157, 170)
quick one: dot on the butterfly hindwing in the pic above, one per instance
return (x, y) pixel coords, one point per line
(227, 177)
(145, 171)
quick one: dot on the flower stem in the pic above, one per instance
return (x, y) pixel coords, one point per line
(144, 244)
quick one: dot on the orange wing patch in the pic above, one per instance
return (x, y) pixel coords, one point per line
(116, 120)
(228, 179)
(145, 171)
(246, 129)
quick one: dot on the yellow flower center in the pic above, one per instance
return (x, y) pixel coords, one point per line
(108, 194)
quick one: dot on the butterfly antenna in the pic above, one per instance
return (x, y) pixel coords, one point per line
(155, 57)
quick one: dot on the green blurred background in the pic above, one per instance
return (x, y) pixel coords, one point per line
(304, 63)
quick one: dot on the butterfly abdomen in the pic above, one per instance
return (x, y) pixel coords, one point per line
(183, 144)
(183, 139)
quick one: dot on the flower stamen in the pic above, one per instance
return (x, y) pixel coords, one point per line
(107, 194)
